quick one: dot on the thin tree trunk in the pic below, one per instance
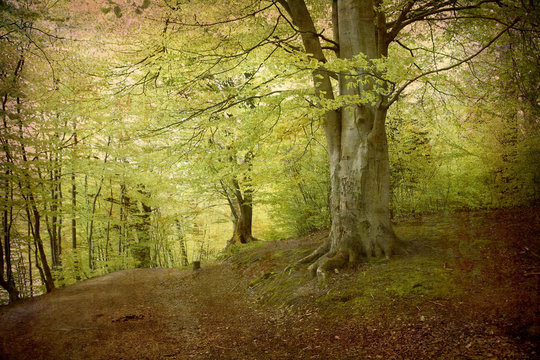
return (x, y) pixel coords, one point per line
(51, 226)
(108, 230)
(91, 228)
(59, 208)
(93, 211)
(40, 269)
(31, 210)
(123, 219)
(73, 200)
(7, 280)
(183, 250)
(30, 275)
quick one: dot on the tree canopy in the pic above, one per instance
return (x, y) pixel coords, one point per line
(153, 133)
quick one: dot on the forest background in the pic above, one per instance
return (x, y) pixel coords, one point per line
(149, 133)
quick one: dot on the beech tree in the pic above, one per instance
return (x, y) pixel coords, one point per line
(363, 55)
(356, 131)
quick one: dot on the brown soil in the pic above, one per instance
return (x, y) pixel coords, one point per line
(209, 314)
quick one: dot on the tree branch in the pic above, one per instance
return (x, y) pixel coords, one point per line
(222, 22)
(449, 67)
(409, 16)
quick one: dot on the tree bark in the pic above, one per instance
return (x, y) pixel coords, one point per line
(45, 270)
(241, 204)
(182, 240)
(141, 251)
(356, 139)
(243, 224)
(7, 282)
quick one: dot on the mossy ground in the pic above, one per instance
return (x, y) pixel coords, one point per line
(372, 288)
(378, 286)
(477, 265)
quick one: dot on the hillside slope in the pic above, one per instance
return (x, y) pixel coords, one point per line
(466, 287)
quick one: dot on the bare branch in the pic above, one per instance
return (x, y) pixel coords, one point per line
(409, 16)
(449, 67)
(222, 22)
(397, 24)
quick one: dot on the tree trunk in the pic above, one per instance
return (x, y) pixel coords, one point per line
(45, 270)
(242, 211)
(108, 229)
(356, 139)
(8, 283)
(73, 211)
(141, 251)
(73, 195)
(60, 215)
(30, 276)
(242, 227)
(183, 248)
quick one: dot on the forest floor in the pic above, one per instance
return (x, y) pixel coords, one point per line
(465, 287)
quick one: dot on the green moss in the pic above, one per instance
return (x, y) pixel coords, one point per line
(242, 254)
(260, 279)
(380, 284)
(240, 248)
(290, 256)
(279, 288)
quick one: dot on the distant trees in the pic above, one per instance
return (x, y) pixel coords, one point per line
(23, 175)
(459, 141)
(75, 201)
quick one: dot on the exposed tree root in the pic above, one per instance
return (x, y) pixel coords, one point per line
(320, 251)
(327, 263)
(348, 253)
(314, 256)
(236, 241)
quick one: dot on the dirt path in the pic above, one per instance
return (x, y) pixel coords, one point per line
(169, 314)
(140, 314)
(153, 314)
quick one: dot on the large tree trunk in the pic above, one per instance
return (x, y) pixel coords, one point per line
(356, 138)
(241, 204)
